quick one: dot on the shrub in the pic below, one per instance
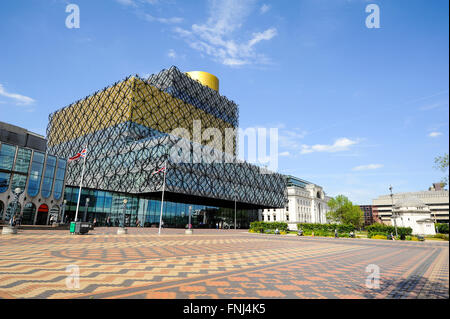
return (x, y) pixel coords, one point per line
(379, 237)
(442, 228)
(328, 228)
(373, 234)
(377, 229)
(441, 236)
(263, 226)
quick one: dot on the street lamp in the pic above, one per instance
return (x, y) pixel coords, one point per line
(63, 210)
(394, 216)
(17, 193)
(189, 230)
(86, 209)
(11, 229)
(122, 230)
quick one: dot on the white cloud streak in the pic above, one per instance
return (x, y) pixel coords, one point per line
(20, 99)
(341, 144)
(217, 37)
(434, 134)
(367, 167)
(264, 8)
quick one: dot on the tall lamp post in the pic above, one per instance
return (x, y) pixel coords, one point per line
(394, 216)
(63, 210)
(122, 230)
(86, 209)
(189, 230)
(11, 229)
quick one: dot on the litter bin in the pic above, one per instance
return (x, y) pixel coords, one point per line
(72, 227)
(79, 228)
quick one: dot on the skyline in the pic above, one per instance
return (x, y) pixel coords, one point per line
(357, 109)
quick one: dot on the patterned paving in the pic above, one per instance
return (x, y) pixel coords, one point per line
(217, 264)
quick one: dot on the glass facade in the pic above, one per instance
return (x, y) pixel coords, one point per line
(22, 161)
(36, 173)
(59, 179)
(49, 173)
(4, 181)
(7, 154)
(104, 205)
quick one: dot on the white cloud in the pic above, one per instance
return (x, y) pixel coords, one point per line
(20, 99)
(135, 3)
(341, 144)
(367, 167)
(284, 154)
(150, 18)
(217, 37)
(434, 134)
(264, 8)
(432, 106)
(172, 54)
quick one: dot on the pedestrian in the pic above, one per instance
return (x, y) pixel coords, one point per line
(335, 233)
(392, 236)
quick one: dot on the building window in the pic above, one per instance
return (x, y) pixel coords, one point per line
(268, 218)
(4, 181)
(287, 217)
(49, 173)
(35, 174)
(274, 218)
(22, 161)
(7, 153)
(59, 179)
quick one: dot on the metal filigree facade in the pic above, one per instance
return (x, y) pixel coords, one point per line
(128, 129)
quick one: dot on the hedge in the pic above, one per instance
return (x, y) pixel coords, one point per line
(263, 226)
(379, 229)
(341, 228)
(442, 228)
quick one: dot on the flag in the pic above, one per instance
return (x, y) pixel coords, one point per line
(160, 170)
(79, 155)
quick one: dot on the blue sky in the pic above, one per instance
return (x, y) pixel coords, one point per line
(357, 109)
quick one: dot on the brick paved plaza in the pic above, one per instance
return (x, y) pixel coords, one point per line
(216, 264)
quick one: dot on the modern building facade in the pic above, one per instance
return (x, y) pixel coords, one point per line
(137, 126)
(307, 203)
(368, 214)
(38, 177)
(436, 200)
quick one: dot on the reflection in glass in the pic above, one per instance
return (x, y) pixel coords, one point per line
(36, 174)
(48, 176)
(7, 153)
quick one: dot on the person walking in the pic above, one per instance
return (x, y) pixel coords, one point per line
(335, 233)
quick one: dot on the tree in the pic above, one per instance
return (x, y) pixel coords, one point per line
(441, 163)
(343, 211)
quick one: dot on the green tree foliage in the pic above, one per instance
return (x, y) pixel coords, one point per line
(441, 163)
(442, 228)
(343, 211)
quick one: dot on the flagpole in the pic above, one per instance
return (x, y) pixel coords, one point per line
(81, 183)
(162, 199)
